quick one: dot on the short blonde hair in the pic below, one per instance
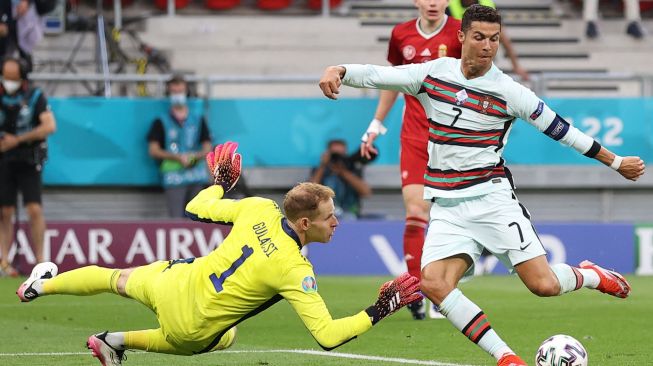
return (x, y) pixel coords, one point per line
(304, 198)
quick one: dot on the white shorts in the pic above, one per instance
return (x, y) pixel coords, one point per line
(495, 221)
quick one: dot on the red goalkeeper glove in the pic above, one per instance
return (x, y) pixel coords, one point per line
(393, 295)
(225, 165)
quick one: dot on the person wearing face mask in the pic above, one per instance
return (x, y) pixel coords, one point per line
(179, 139)
(25, 123)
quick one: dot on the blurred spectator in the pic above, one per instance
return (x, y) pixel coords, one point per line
(591, 15)
(457, 8)
(343, 174)
(180, 139)
(21, 27)
(25, 122)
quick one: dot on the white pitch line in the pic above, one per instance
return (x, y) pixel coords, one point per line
(296, 351)
(365, 357)
(43, 354)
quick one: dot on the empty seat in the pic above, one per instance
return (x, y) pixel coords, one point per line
(273, 4)
(221, 4)
(317, 4)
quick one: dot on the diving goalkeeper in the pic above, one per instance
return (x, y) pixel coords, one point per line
(199, 301)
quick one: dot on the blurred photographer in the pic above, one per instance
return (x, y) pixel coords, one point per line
(343, 174)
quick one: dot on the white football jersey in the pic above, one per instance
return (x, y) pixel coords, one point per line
(469, 121)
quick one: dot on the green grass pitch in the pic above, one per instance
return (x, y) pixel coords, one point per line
(53, 330)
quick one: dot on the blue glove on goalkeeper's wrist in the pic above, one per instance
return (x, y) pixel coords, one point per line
(393, 295)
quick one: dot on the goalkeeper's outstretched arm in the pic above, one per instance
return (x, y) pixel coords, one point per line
(332, 333)
(208, 206)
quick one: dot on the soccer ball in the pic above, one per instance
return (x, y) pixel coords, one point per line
(561, 350)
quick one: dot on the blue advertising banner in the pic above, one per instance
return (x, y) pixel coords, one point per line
(102, 141)
(294, 132)
(375, 248)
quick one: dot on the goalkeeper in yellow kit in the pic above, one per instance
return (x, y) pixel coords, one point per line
(199, 301)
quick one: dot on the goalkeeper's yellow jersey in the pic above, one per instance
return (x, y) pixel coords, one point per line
(258, 264)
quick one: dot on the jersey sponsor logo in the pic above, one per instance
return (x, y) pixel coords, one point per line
(538, 110)
(409, 52)
(425, 53)
(309, 284)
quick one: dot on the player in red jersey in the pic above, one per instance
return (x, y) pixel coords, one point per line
(432, 35)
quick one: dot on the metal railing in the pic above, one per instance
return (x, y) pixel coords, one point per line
(539, 83)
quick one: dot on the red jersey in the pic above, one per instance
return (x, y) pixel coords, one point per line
(409, 45)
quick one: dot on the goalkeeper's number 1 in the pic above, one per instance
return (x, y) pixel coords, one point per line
(219, 281)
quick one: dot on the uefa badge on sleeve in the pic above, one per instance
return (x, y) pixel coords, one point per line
(309, 284)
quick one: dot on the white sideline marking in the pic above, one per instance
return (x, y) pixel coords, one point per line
(297, 351)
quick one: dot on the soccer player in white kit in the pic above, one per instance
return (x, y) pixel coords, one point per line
(471, 106)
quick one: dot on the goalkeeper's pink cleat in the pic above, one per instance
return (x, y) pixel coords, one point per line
(511, 359)
(41, 271)
(103, 351)
(611, 282)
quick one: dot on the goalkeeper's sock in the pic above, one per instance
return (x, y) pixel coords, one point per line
(150, 340)
(572, 278)
(116, 340)
(472, 322)
(413, 243)
(83, 281)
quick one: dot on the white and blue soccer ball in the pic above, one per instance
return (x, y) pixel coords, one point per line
(561, 350)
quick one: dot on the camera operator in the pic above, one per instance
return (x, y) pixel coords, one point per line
(343, 174)
(25, 123)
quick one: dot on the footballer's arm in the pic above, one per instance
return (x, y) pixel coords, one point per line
(208, 206)
(531, 109)
(329, 333)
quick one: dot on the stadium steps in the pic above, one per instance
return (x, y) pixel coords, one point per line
(547, 36)
(258, 46)
(97, 203)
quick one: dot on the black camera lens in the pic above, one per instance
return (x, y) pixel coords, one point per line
(336, 157)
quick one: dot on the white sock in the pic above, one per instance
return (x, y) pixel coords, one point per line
(116, 340)
(572, 278)
(38, 286)
(472, 322)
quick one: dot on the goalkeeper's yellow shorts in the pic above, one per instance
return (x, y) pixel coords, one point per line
(164, 289)
(142, 281)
